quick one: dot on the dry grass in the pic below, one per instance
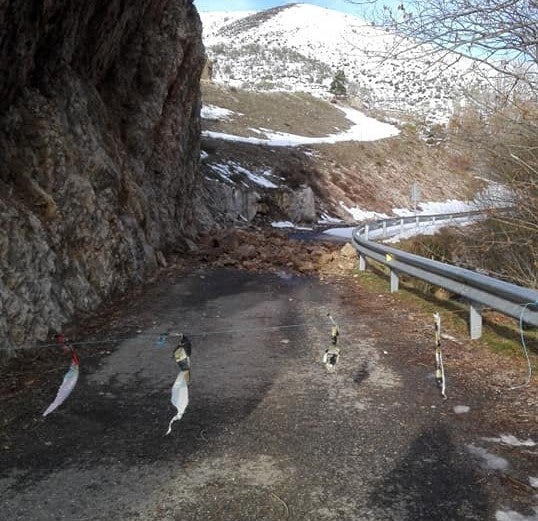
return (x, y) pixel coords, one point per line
(294, 113)
(373, 175)
(501, 334)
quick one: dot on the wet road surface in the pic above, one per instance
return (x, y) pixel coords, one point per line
(268, 434)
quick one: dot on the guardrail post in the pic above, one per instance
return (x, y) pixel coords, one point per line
(475, 320)
(491, 293)
(394, 281)
(401, 226)
(384, 228)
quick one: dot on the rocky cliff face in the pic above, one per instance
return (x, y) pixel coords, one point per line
(99, 149)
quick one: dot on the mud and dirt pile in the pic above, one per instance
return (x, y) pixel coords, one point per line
(99, 151)
(273, 251)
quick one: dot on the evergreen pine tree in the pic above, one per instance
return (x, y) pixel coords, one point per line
(338, 85)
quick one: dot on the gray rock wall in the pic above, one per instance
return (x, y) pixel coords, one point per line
(99, 151)
(299, 204)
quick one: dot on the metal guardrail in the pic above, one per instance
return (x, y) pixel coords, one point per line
(385, 228)
(479, 290)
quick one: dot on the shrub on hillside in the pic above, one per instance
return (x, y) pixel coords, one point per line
(501, 144)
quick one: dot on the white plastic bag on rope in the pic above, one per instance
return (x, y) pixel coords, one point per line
(180, 397)
(68, 384)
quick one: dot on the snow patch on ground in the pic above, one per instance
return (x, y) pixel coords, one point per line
(489, 460)
(327, 219)
(364, 129)
(508, 439)
(261, 178)
(363, 215)
(533, 482)
(512, 515)
(282, 224)
(228, 169)
(215, 113)
(289, 224)
(433, 207)
(461, 409)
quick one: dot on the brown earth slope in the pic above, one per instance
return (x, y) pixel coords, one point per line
(376, 176)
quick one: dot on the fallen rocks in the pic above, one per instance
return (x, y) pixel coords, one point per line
(256, 250)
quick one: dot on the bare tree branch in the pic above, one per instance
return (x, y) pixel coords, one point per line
(493, 32)
(498, 128)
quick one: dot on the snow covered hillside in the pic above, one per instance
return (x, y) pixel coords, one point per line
(299, 47)
(363, 129)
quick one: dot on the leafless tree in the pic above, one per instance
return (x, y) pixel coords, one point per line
(498, 128)
(498, 33)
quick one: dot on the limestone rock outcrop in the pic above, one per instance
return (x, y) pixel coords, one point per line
(299, 204)
(99, 151)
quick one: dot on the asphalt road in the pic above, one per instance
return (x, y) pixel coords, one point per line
(268, 434)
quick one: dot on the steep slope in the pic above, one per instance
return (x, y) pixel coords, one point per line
(99, 146)
(301, 46)
(268, 182)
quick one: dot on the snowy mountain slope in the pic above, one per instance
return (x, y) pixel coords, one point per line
(299, 47)
(214, 20)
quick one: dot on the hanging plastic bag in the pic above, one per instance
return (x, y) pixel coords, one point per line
(68, 384)
(180, 397)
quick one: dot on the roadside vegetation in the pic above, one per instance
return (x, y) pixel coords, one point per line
(496, 132)
(505, 145)
(501, 335)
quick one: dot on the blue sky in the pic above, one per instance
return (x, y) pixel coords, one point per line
(257, 5)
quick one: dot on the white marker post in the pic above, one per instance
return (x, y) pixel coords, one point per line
(415, 196)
